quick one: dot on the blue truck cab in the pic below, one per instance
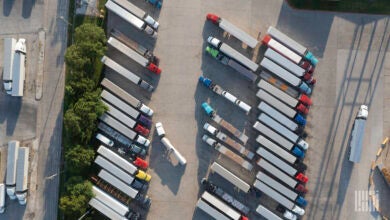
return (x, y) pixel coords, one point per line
(205, 81)
(300, 119)
(298, 152)
(207, 108)
(310, 57)
(301, 201)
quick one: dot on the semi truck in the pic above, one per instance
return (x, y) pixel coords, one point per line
(228, 153)
(105, 209)
(283, 108)
(125, 96)
(10, 181)
(126, 108)
(280, 84)
(226, 139)
(2, 197)
(285, 75)
(290, 66)
(357, 135)
(120, 185)
(267, 214)
(132, 54)
(226, 125)
(275, 137)
(227, 95)
(118, 160)
(168, 145)
(123, 140)
(278, 197)
(271, 123)
(127, 74)
(220, 193)
(287, 156)
(110, 121)
(148, 54)
(8, 60)
(275, 114)
(233, 30)
(138, 12)
(19, 68)
(210, 210)
(292, 44)
(232, 53)
(124, 119)
(130, 18)
(22, 175)
(232, 63)
(229, 176)
(221, 206)
(290, 194)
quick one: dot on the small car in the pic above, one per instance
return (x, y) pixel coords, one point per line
(104, 140)
(141, 175)
(142, 130)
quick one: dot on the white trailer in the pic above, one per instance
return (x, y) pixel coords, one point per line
(105, 210)
(291, 182)
(127, 74)
(278, 197)
(110, 201)
(283, 131)
(10, 181)
(275, 114)
(132, 54)
(115, 182)
(117, 160)
(279, 83)
(266, 97)
(357, 135)
(109, 97)
(132, 19)
(19, 68)
(233, 30)
(2, 197)
(213, 212)
(267, 213)
(138, 12)
(287, 168)
(168, 145)
(132, 135)
(125, 96)
(114, 170)
(8, 60)
(284, 62)
(229, 176)
(232, 53)
(287, 156)
(120, 116)
(221, 206)
(22, 175)
(114, 134)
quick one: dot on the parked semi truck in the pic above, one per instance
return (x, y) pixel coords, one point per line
(275, 137)
(292, 44)
(105, 210)
(138, 12)
(168, 145)
(278, 197)
(229, 176)
(232, 63)
(228, 153)
(222, 207)
(18, 69)
(267, 214)
(357, 135)
(130, 18)
(287, 156)
(271, 123)
(12, 156)
(275, 114)
(124, 107)
(127, 74)
(290, 66)
(132, 54)
(226, 139)
(233, 30)
(125, 96)
(283, 108)
(285, 75)
(8, 60)
(118, 160)
(280, 84)
(122, 139)
(226, 125)
(232, 53)
(148, 54)
(227, 95)
(22, 175)
(290, 194)
(220, 193)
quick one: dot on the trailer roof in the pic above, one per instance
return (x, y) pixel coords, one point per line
(13, 150)
(22, 169)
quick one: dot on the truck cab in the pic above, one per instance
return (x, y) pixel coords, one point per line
(363, 112)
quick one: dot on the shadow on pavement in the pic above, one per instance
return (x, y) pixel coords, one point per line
(28, 5)
(7, 7)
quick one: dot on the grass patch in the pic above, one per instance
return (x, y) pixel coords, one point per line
(359, 6)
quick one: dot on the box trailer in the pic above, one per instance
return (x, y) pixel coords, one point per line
(267, 214)
(229, 176)
(213, 212)
(10, 181)
(233, 30)
(22, 175)
(285, 75)
(127, 74)
(287, 156)
(125, 96)
(114, 134)
(357, 135)
(279, 83)
(138, 12)
(221, 206)
(105, 210)
(130, 18)
(275, 114)
(117, 160)
(120, 185)
(276, 126)
(110, 201)
(232, 53)
(19, 68)
(292, 44)
(132, 54)
(2, 198)
(8, 60)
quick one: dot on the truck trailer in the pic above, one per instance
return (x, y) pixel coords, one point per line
(229, 176)
(232, 53)
(105, 210)
(285, 75)
(221, 206)
(120, 185)
(138, 12)
(127, 97)
(357, 135)
(8, 60)
(130, 18)
(127, 74)
(233, 30)
(22, 175)
(275, 114)
(19, 68)
(224, 59)
(2, 198)
(287, 156)
(267, 214)
(279, 83)
(12, 156)
(132, 54)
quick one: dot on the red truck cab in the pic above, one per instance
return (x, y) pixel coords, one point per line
(142, 130)
(152, 67)
(143, 164)
(213, 18)
(301, 177)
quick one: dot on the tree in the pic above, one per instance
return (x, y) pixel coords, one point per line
(89, 32)
(78, 194)
(75, 59)
(78, 84)
(79, 158)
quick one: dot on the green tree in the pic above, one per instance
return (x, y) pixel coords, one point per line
(78, 84)
(75, 58)
(89, 32)
(79, 158)
(78, 194)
